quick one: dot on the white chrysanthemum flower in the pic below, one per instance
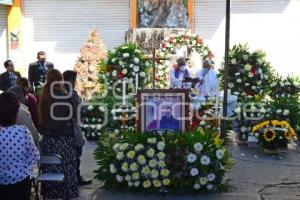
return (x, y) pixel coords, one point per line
(139, 147)
(250, 75)
(245, 57)
(135, 176)
(120, 155)
(152, 163)
(238, 73)
(239, 80)
(194, 172)
(198, 147)
(233, 61)
(273, 84)
(147, 184)
(142, 74)
(136, 69)
(127, 178)
(209, 186)
(116, 131)
(279, 111)
(202, 123)
(253, 87)
(116, 147)
(160, 67)
(124, 71)
(197, 186)
(286, 112)
(133, 166)
(131, 66)
(126, 55)
(136, 60)
(141, 159)
(146, 171)
(131, 154)
(161, 155)
(205, 160)
(137, 184)
(124, 167)
(258, 82)
(248, 67)
(161, 146)
(211, 177)
(281, 84)
(113, 60)
(243, 129)
(166, 182)
(123, 146)
(157, 183)
(219, 154)
(112, 169)
(150, 153)
(191, 158)
(151, 140)
(162, 164)
(165, 172)
(203, 180)
(154, 174)
(119, 178)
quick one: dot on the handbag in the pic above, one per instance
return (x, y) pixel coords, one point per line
(79, 140)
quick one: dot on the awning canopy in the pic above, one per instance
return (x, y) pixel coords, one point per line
(6, 2)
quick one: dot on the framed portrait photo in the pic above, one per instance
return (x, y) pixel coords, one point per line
(163, 109)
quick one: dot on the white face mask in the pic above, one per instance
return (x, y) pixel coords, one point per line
(182, 68)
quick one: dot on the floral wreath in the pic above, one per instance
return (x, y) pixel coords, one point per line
(168, 48)
(125, 62)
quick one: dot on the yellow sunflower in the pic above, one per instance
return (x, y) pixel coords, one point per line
(269, 135)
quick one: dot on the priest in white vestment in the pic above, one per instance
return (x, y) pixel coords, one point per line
(179, 74)
(208, 85)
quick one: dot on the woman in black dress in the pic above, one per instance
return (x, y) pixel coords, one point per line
(55, 111)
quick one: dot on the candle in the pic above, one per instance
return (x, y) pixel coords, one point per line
(136, 83)
(124, 93)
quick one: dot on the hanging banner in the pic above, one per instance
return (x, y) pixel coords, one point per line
(6, 2)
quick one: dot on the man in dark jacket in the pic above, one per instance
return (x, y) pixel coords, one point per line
(8, 78)
(37, 70)
(70, 79)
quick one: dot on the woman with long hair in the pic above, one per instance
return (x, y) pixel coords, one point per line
(55, 110)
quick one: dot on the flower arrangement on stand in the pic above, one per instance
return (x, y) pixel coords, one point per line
(126, 63)
(92, 121)
(250, 75)
(247, 115)
(189, 162)
(123, 113)
(288, 87)
(168, 48)
(273, 135)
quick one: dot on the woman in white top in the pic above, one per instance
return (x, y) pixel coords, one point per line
(18, 153)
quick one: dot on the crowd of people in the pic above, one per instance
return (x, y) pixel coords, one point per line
(30, 126)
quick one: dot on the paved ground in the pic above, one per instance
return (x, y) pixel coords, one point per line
(254, 176)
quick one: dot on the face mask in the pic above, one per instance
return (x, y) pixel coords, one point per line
(182, 68)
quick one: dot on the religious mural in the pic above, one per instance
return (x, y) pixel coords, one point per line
(162, 14)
